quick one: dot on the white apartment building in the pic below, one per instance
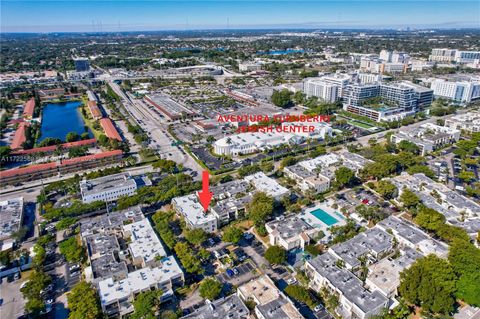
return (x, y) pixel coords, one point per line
(323, 90)
(195, 216)
(270, 302)
(443, 55)
(368, 78)
(116, 296)
(290, 233)
(469, 122)
(269, 186)
(307, 180)
(11, 218)
(111, 187)
(145, 247)
(249, 67)
(428, 137)
(461, 91)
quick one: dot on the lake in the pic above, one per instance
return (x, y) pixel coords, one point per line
(281, 52)
(59, 119)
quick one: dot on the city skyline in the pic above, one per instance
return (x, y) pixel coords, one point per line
(110, 16)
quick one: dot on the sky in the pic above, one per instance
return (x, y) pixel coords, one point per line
(152, 15)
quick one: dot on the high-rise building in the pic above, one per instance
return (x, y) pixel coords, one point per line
(81, 64)
(321, 89)
(442, 55)
(355, 93)
(461, 91)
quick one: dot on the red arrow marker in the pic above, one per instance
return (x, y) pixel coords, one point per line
(205, 196)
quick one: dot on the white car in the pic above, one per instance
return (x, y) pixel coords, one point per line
(318, 308)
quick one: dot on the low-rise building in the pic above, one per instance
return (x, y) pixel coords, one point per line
(231, 307)
(116, 296)
(355, 301)
(469, 122)
(270, 302)
(195, 216)
(290, 233)
(428, 137)
(408, 235)
(170, 108)
(111, 187)
(307, 180)
(11, 218)
(384, 276)
(269, 186)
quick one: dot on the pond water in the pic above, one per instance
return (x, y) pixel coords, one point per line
(59, 119)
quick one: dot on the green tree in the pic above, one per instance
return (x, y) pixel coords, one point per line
(232, 235)
(195, 236)
(65, 223)
(421, 169)
(466, 176)
(344, 176)
(146, 305)
(72, 251)
(282, 98)
(260, 208)
(427, 275)
(210, 288)
(465, 260)
(409, 198)
(408, 146)
(275, 255)
(72, 137)
(300, 294)
(386, 189)
(429, 218)
(83, 302)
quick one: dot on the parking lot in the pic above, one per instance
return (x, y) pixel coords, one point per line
(244, 274)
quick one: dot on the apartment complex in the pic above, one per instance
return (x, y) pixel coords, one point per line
(270, 302)
(231, 307)
(328, 87)
(290, 233)
(468, 122)
(428, 137)
(381, 102)
(464, 91)
(127, 258)
(454, 55)
(458, 210)
(11, 218)
(269, 186)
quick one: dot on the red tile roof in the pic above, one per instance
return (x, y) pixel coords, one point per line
(28, 170)
(29, 108)
(94, 110)
(109, 128)
(93, 157)
(19, 136)
(54, 147)
(52, 165)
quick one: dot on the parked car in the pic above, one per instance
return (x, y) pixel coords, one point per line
(318, 308)
(230, 273)
(235, 271)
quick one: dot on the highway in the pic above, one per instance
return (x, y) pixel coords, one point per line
(157, 129)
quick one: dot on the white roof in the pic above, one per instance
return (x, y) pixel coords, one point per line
(145, 243)
(139, 280)
(192, 210)
(320, 161)
(266, 184)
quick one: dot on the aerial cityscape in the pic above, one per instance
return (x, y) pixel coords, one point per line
(240, 159)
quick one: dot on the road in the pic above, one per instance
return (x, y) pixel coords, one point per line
(157, 129)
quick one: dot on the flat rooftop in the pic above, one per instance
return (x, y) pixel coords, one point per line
(106, 183)
(231, 307)
(111, 290)
(144, 241)
(350, 286)
(190, 207)
(111, 220)
(11, 215)
(268, 185)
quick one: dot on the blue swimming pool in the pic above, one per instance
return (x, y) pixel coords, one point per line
(325, 217)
